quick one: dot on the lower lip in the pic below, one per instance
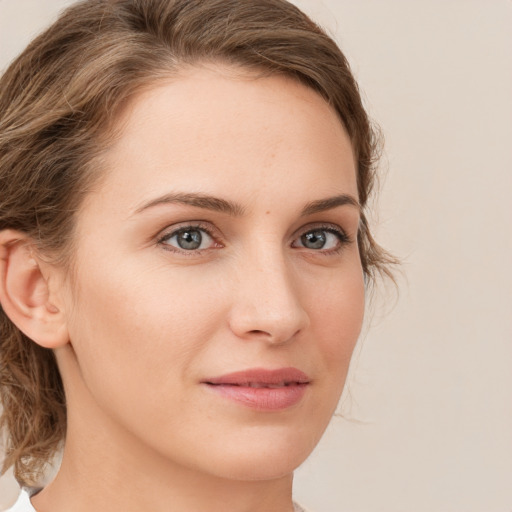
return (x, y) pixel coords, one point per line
(262, 399)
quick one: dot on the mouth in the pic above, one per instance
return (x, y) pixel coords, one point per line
(259, 385)
(261, 389)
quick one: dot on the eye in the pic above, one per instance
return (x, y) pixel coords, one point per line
(324, 239)
(189, 238)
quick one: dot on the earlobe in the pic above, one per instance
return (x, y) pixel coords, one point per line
(24, 292)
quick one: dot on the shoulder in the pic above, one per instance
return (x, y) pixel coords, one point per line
(23, 504)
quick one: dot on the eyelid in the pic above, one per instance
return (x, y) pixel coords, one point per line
(319, 226)
(343, 236)
(174, 229)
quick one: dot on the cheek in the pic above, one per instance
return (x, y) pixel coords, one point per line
(135, 323)
(337, 313)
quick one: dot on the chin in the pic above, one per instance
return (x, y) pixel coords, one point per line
(262, 457)
(259, 468)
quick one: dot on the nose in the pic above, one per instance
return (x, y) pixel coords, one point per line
(267, 304)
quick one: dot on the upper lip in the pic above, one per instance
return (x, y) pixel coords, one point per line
(262, 377)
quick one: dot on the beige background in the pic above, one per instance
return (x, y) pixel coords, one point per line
(427, 421)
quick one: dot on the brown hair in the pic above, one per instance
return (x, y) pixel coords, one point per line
(60, 98)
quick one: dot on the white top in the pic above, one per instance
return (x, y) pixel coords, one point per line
(23, 504)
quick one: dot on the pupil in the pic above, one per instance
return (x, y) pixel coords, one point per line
(314, 239)
(190, 240)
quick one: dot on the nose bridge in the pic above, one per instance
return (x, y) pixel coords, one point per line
(268, 301)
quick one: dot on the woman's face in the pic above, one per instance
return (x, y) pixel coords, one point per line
(218, 292)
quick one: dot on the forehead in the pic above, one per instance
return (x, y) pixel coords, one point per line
(215, 130)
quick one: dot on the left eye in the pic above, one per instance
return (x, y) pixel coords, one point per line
(189, 239)
(318, 239)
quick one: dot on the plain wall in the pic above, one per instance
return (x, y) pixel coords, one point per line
(426, 421)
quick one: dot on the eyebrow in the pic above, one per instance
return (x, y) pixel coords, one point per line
(199, 201)
(329, 203)
(218, 204)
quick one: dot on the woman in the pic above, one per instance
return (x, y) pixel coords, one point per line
(184, 253)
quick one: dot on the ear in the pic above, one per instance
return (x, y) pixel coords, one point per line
(24, 293)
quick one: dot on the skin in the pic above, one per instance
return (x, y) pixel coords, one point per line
(147, 322)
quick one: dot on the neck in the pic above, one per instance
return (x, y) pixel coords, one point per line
(106, 484)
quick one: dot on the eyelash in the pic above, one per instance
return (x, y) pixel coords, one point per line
(343, 238)
(188, 227)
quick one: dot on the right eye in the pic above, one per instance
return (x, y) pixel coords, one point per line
(189, 238)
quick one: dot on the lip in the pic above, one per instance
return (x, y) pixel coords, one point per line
(262, 389)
